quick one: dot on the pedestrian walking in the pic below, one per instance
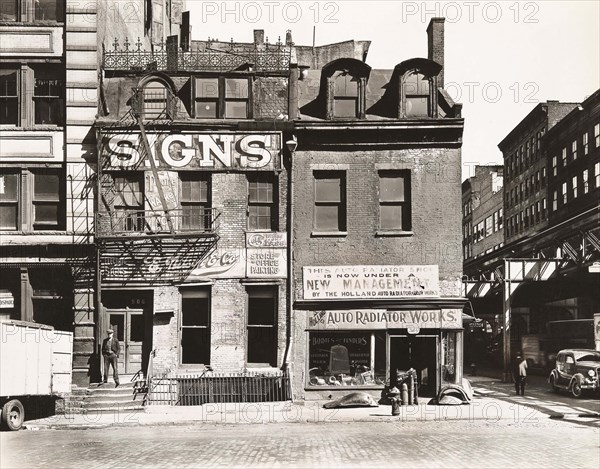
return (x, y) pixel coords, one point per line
(520, 374)
(111, 350)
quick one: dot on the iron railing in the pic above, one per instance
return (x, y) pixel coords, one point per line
(273, 57)
(155, 222)
(190, 390)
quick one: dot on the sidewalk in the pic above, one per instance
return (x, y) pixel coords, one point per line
(481, 408)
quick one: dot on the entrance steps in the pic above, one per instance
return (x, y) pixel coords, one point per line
(98, 397)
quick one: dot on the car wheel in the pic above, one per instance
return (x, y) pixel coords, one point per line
(13, 415)
(576, 389)
(553, 383)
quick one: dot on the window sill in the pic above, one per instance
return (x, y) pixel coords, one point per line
(339, 234)
(394, 233)
(35, 127)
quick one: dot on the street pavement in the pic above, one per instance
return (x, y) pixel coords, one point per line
(541, 429)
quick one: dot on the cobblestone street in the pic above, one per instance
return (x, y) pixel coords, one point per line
(537, 443)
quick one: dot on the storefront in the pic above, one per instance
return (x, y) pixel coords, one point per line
(365, 348)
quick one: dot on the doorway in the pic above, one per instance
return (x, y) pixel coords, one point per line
(419, 352)
(129, 328)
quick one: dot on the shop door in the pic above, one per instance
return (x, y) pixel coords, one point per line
(128, 325)
(419, 352)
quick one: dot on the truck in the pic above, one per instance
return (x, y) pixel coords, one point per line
(35, 365)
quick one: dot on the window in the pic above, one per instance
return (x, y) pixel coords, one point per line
(195, 326)
(9, 200)
(526, 217)
(47, 82)
(47, 96)
(32, 10)
(544, 176)
(353, 358)
(574, 149)
(586, 185)
(597, 175)
(330, 201)
(565, 195)
(544, 208)
(597, 135)
(574, 186)
(531, 214)
(537, 211)
(195, 200)
(262, 325)
(416, 87)
(554, 201)
(554, 166)
(500, 218)
(262, 211)
(9, 96)
(585, 142)
(564, 157)
(394, 201)
(157, 22)
(129, 202)
(155, 100)
(222, 98)
(489, 227)
(345, 95)
(32, 199)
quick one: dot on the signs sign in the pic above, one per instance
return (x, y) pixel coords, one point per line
(370, 282)
(197, 151)
(383, 319)
(266, 255)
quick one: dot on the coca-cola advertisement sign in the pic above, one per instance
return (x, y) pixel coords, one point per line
(227, 263)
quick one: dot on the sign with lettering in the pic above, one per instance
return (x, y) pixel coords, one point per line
(266, 263)
(222, 263)
(370, 282)
(196, 151)
(7, 300)
(383, 319)
(266, 240)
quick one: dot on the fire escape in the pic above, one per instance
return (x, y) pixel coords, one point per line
(150, 243)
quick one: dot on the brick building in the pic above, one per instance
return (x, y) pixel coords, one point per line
(48, 90)
(541, 284)
(482, 211)
(376, 175)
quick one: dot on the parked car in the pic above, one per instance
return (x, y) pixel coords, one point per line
(576, 370)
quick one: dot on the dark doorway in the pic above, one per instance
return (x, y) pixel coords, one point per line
(419, 352)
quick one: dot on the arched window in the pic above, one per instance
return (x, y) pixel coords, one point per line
(154, 100)
(343, 84)
(418, 88)
(417, 95)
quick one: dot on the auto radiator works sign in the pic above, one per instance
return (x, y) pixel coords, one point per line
(195, 151)
(370, 282)
(383, 319)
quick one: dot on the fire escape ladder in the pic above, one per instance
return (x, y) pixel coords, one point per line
(159, 188)
(569, 251)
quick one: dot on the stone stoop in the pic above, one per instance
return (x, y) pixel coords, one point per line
(103, 398)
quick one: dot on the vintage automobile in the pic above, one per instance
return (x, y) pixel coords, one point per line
(576, 370)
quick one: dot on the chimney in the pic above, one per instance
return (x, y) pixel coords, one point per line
(288, 38)
(435, 45)
(259, 37)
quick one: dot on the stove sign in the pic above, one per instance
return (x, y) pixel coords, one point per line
(196, 151)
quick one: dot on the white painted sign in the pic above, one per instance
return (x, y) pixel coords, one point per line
(413, 320)
(266, 240)
(222, 263)
(266, 263)
(7, 300)
(370, 282)
(197, 151)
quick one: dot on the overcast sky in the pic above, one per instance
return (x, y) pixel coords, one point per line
(502, 58)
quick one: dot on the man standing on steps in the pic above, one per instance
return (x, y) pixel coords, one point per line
(111, 350)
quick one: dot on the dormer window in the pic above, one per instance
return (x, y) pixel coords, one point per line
(222, 98)
(343, 84)
(345, 95)
(154, 99)
(417, 90)
(417, 95)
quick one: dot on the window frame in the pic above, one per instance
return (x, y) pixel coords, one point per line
(341, 204)
(190, 294)
(262, 291)
(222, 97)
(26, 12)
(405, 204)
(27, 201)
(201, 204)
(134, 215)
(262, 179)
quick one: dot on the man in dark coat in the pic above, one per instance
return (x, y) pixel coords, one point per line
(111, 350)
(520, 374)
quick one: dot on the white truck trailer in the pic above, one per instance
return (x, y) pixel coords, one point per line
(35, 364)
